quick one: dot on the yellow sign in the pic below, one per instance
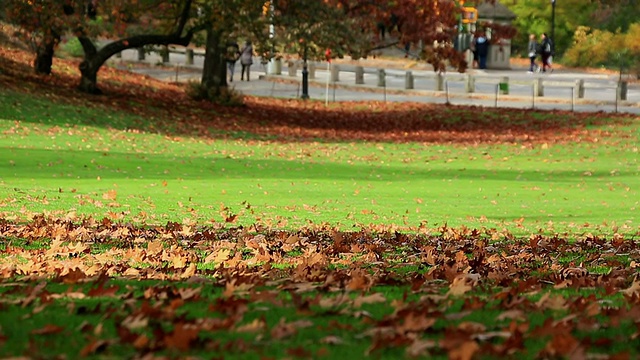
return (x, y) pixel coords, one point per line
(469, 15)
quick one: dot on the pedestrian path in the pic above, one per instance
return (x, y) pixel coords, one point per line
(600, 96)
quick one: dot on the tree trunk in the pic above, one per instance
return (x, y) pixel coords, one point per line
(214, 72)
(89, 77)
(94, 58)
(44, 54)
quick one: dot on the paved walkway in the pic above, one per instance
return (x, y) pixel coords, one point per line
(600, 90)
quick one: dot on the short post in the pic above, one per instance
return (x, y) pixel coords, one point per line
(580, 88)
(622, 90)
(276, 67)
(470, 84)
(311, 68)
(408, 80)
(504, 85)
(188, 53)
(573, 99)
(165, 54)
(538, 87)
(141, 54)
(446, 85)
(382, 78)
(335, 73)
(439, 82)
(533, 97)
(359, 75)
(292, 68)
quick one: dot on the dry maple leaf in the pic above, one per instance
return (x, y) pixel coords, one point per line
(182, 336)
(374, 298)
(47, 330)
(634, 289)
(463, 283)
(257, 325)
(465, 351)
(284, 329)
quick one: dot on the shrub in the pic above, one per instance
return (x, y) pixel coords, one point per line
(601, 48)
(220, 95)
(72, 47)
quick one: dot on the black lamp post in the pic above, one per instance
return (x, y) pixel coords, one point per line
(305, 75)
(553, 20)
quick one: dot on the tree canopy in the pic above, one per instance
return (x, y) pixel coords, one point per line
(303, 27)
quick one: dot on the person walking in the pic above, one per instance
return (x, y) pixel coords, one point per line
(533, 53)
(246, 59)
(232, 56)
(474, 51)
(482, 48)
(546, 51)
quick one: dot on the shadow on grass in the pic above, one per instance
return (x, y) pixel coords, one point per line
(83, 164)
(133, 101)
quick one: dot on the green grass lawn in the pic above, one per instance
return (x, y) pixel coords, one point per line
(61, 159)
(122, 238)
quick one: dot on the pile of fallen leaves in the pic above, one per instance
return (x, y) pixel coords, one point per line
(447, 277)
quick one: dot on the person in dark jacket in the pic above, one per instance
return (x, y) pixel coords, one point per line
(482, 48)
(232, 56)
(246, 59)
(546, 51)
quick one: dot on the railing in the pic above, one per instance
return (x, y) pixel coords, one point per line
(469, 81)
(441, 81)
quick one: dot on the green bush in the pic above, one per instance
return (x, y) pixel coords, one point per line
(601, 48)
(72, 48)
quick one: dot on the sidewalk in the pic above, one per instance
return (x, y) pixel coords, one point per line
(521, 96)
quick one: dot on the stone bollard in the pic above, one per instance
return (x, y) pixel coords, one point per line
(382, 78)
(622, 90)
(292, 68)
(504, 85)
(311, 68)
(335, 73)
(538, 87)
(359, 75)
(188, 53)
(164, 52)
(276, 67)
(580, 88)
(141, 54)
(408, 80)
(470, 84)
(439, 82)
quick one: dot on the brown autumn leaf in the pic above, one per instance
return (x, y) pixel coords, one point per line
(182, 336)
(465, 351)
(286, 329)
(110, 195)
(94, 347)
(257, 325)
(463, 283)
(374, 298)
(632, 290)
(48, 330)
